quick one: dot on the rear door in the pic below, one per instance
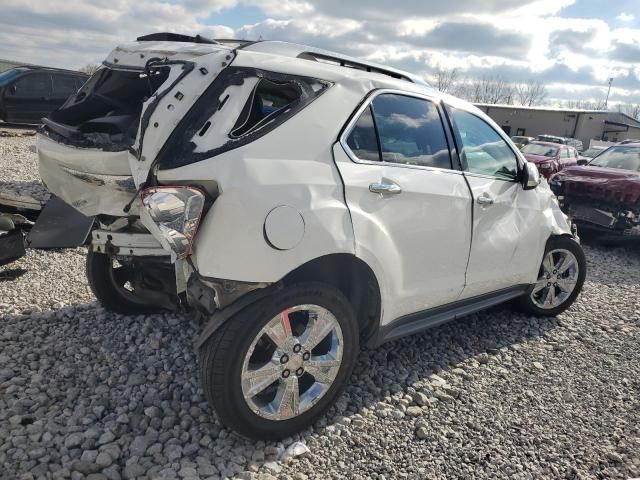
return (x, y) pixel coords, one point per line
(410, 208)
(28, 102)
(505, 216)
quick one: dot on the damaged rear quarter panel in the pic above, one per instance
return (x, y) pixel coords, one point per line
(264, 174)
(170, 103)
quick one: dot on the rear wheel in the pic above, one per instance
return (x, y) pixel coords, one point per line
(560, 278)
(112, 281)
(277, 366)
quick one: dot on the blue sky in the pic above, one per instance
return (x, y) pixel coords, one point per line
(573, 46)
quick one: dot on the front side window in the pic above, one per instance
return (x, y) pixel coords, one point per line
(64, 86)
(483, 150)
(34, 85)
(410, 131)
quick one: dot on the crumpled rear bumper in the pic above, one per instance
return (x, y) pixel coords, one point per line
(93, 181)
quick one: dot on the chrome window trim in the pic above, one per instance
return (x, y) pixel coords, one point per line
(365, 104)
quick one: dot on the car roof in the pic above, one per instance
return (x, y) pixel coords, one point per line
(26, 68)
(196, 46)
(548, 144)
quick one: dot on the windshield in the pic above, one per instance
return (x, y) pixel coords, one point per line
(592, 152)
(539, 149)
(622, 157)
(8, 76)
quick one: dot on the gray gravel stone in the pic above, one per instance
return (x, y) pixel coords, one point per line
(71, 373)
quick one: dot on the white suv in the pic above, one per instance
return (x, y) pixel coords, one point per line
(301, 203)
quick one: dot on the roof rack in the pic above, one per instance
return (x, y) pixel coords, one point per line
(349, 63)
(174, 37)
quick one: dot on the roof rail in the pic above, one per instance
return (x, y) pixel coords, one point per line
(349, 63)
(174, 37)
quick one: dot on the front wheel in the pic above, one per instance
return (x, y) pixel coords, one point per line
(275, 367)
(560, 279)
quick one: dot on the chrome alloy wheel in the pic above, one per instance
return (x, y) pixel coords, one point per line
(557, 279)
(292, 362)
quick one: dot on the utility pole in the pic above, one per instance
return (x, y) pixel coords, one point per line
(606, 101)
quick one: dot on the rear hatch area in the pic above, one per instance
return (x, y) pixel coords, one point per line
(97, 149)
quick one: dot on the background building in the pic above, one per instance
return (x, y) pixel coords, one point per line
(585, 125)
(9, 64)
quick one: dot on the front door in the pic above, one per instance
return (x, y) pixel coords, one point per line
(505, 243)
(411, 210)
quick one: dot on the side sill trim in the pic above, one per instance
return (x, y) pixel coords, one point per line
(417, 322)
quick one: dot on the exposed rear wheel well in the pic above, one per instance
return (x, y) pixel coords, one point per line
(354, 278)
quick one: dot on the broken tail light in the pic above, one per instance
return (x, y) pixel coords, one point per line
(176, 212)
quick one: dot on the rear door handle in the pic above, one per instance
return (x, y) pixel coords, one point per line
(484, 200)
(391, 188)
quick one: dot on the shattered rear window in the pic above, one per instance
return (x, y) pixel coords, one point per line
(241, 105)
(268, 100)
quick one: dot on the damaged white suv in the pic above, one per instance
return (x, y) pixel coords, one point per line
(301, 203)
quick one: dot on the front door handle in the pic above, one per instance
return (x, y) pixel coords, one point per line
(485, 201)
(385, 188)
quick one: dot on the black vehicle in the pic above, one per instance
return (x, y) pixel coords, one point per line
(29, 93)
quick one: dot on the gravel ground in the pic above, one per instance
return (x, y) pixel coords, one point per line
(89, 394)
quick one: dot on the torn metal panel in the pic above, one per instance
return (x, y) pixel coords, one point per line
(59, 226)
(227, 104)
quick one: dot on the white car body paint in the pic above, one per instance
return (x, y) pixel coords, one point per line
(417, 243)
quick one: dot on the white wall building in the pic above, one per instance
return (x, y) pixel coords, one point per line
(585, 125)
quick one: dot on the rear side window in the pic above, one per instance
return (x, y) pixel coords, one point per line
(483, 150)
(34, 85)
(362, 140)
(401, 129)
(410, 131)
(267, 100)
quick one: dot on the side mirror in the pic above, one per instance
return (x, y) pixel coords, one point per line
(530, 176)
(582, 161)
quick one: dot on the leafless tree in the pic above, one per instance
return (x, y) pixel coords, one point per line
(584, 105)
(631, 109)
(530, 93)
(446, 79)
(491, 90)
(90, 68)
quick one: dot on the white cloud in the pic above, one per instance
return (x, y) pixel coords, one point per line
(626, 17)
(518, 39)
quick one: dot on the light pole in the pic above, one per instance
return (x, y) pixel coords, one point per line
(606, 100)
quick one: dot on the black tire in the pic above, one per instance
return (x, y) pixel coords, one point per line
(222, 356)
(100, 274)
(526, 303)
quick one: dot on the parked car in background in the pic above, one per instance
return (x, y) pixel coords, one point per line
(591, 152)
(605, 194)
(301, 203)
(521, 141)
(550, 157)
(29, 93)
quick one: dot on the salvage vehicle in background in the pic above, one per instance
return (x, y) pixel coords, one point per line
(29, 93)
(302, 203)
(590, 153)
(550, 158)
(521, 141)
(604, 196)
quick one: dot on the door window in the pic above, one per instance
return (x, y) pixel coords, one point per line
(34, 85)
(483, 150)
(410, 131)
(362, 140)
(64, 86)
(564, 153)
